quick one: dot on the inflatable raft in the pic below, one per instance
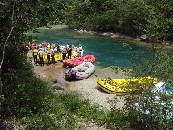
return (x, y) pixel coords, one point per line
(122, 86)
(79, 60)
(81, 71)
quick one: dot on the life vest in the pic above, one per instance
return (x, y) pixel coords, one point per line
(48, 46)
(64, 51)
(48, 52)
(35, 52)
(52, 52)
(41, 53)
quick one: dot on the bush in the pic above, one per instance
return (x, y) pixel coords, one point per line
(83, 108)
(150, 114)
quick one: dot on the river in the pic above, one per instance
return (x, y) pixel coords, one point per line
(108, 51)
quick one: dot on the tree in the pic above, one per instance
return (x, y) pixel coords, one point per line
(160, 25)
(148, 110)
(17, 92)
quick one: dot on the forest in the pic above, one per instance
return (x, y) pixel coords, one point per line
(129, 17)
(33, 105)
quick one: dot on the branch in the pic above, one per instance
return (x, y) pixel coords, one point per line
(12, 27)
(3, 53)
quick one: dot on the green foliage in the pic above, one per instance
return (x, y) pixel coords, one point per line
(118, 120)
(49, 121)
(160, 20)
(164, 65)
(131, 118)
(128, 17)
(158, 64)
(22, 92)
(62, 113)
(25, 96)
(144, 110)
(131, 17)
(82, 107)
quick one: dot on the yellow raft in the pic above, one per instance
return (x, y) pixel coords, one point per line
(122, 86)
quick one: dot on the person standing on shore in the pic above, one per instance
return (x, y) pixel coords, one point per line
(58, 48)
(78, 51)
(40, 53)
(69, 51)
(64, 52)
(35, 53)
(48, 57)
(53, 56)
(48, 46)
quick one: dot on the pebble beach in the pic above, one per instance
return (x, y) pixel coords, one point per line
(86, 88)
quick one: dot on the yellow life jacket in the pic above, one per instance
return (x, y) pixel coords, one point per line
(48, 46)
(40, 53)
(35, 52)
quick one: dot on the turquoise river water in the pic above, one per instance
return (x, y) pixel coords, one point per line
(108, 51)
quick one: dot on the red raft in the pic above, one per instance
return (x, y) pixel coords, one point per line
(79, 60)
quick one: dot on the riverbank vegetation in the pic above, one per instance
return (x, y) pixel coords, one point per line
(132, 17)
(27, 102)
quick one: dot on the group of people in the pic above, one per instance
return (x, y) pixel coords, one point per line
(38, 56)
(67, 51)
(49, 50)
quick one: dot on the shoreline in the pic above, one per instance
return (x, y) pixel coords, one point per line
(125, 38)
(59, 26)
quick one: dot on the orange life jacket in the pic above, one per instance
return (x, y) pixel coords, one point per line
(48, 52)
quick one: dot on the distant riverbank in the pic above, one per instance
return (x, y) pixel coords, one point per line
(119, 36)
(61, 26)
(125, 38)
